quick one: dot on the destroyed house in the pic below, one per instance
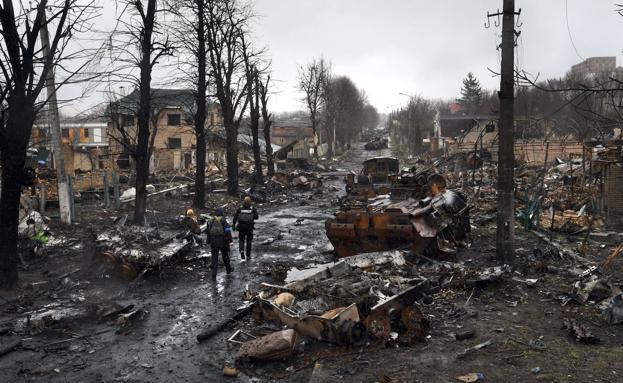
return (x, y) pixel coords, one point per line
(172, 116)
(462, 134)
(296, 135)
(85, 143)
(216, 140)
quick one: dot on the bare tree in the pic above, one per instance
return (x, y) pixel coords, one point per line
(413, 122)
(24, 69)
(343, 112)
(226, 22)
(191, 33)
(141, 44)
(267, 122)
(251, 60)
(313, 79)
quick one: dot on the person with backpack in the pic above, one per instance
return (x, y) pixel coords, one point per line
(245, 217)
(219, 238)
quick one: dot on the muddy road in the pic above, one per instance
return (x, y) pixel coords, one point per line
(178, 302)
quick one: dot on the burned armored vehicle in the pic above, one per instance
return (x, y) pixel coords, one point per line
(377, 144)
(374, 178)
(439, 223)
(382, 176)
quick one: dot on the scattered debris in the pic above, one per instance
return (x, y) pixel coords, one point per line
(613, 309)
(470, 350)
(579, 332)
(279, 345)
(230, 371)
(471, 377)
(11, 346)
(464, 334)
(207, 334)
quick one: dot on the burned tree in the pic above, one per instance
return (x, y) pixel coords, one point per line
(24, 70)
(141, 45)
(313, 79)
(226, 23)
(267, 122)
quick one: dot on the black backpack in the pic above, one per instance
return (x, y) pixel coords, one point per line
(216, 227)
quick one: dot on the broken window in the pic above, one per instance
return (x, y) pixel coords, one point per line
(174, 119)
(175, 143)
(127, 120)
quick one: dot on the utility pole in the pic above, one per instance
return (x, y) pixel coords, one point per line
(55, 130)
(505, 235)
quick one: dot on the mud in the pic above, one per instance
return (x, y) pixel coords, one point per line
(180, 300)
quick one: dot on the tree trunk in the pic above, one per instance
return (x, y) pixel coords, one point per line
(200, 173)
(330, 139)
(200, 116)
(142, 142)
(12, 157)
(231, 142)
(316, 140)
(270, 164)
(9, 217)
(254, 109)
(259, 172)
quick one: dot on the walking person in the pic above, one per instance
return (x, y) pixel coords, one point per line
(219, 238)
(245, 218)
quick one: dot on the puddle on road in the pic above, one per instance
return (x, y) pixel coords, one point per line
(179, 333)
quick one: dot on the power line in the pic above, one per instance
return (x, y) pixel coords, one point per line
(569, 30)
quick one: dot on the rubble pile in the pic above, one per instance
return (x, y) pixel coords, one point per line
(130, 251)
(368, 297)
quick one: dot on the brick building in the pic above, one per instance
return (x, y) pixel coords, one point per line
(172, 115)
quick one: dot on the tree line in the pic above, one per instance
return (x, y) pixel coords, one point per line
(338, 110)
(582, 107)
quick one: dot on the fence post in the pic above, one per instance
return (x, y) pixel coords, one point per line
(42, 198)
(70, 186)
(115, 187)
(106, 190)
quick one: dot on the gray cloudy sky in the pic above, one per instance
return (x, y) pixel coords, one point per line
(426, 47)
(423, 47)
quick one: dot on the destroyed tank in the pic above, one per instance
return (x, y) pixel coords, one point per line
(382, 176)
(373, 180)
(425, 226)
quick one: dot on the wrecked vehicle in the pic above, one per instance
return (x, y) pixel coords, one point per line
(377, 144)
(374, 178)
(427, 226)
(349, 302)
(130, 251)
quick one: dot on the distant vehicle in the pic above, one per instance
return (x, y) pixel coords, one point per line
(374, 178)
(377, 144)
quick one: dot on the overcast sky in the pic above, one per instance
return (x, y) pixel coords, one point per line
(426, 47)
